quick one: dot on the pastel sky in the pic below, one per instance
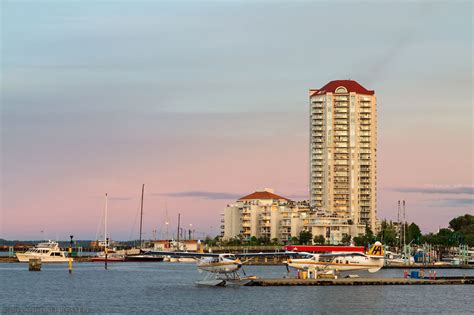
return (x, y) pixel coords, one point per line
(206, 101)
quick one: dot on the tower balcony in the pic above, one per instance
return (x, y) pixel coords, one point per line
(341, 116)
(342, 122)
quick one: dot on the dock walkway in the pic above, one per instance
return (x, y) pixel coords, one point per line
(360, 281)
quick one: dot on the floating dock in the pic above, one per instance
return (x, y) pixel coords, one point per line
(360, 281)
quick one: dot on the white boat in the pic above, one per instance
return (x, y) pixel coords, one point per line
(48, 252)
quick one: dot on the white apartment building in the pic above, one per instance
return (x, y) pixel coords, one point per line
(343, 151)
(265, 214)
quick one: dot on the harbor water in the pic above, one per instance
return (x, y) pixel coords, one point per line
(169, 288)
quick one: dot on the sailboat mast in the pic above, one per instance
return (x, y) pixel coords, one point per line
(105, 222)
(141, 215)
(177, 235)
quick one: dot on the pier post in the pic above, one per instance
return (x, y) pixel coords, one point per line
(70, 254)
(106, 251)
(34, 264)
(11, 253)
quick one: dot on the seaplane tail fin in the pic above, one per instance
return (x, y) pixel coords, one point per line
(376, 250)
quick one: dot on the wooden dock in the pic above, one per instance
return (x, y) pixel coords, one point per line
(360, 281)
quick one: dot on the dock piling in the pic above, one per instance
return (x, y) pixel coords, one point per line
(34, 264)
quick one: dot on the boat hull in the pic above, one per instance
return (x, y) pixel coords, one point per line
(144, 258)
(111, 259)
(24, 258)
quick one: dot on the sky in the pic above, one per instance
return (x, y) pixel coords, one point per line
(206, 101)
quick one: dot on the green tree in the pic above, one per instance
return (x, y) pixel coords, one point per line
(360, 240)
(319, 239)
(294, 241)
(275, 241)
(457, 224)
(366, 239)
(346, 239)
(305, 237)
(414, 234)
(263, 241)
(387, 234)
(253, 241)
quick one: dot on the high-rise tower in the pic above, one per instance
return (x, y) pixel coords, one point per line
(343, 150)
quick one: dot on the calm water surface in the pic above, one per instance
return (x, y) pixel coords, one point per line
(153, 288)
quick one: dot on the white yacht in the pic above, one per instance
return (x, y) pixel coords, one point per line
(48, 252)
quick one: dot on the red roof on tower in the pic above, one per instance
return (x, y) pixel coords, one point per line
(263, 195)
(350, 85)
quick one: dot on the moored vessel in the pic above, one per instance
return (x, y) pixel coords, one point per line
(48, 252)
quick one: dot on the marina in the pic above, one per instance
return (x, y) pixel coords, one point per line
(236, 157)
(153, 287)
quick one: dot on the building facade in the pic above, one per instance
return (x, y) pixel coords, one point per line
(265, 214)
(343, 151)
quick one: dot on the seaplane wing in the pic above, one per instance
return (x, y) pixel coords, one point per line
(270, 254)
(342, 255)
(240, 255)
(182, 254)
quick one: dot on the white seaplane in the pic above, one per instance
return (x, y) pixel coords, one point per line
(337, 262)
(222, 269)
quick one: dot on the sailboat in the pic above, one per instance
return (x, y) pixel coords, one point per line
(143, 257)
(108, 254)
